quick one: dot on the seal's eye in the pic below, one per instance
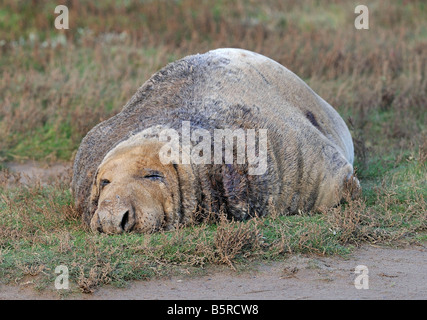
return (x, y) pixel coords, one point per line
(104, 182)
(154, 175)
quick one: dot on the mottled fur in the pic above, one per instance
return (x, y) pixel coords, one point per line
(310, 150)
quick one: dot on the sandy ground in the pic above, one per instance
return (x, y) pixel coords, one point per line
(392, 273)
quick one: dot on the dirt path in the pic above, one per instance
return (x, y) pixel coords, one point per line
(393, 273)
(31, 171)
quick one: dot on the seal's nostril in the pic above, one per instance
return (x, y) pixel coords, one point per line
(125, 220)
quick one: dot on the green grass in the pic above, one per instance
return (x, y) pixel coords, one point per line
(47, 141)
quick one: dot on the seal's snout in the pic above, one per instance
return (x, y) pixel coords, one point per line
(128, 221)
(113, 219)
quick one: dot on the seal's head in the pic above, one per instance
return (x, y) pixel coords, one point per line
(134, 191)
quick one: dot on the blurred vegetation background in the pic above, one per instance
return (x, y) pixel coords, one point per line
(55, 85)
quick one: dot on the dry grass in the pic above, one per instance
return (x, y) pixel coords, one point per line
(390, 218)
(233, 239)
